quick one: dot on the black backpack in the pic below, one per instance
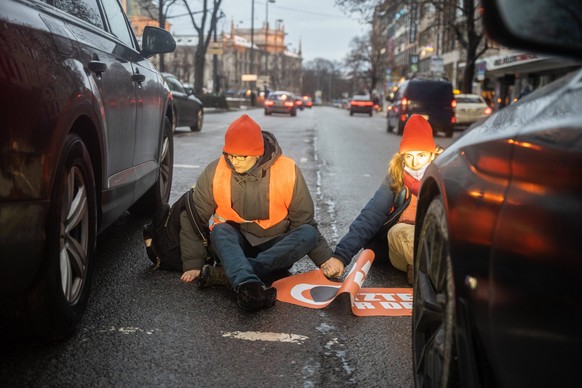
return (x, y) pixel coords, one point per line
(162, 234)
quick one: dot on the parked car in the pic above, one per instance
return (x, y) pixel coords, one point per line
(299, 102)
(187, 109)
(280, 102)
(307, 102)
(431, 98)
(361, 103)
(470, 108)
(497, 296)
(85, 136)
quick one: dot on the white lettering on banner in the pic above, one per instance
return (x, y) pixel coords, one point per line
(391, 305)
(407, 297)
(298, 290)
(361, 274)
(364, 306)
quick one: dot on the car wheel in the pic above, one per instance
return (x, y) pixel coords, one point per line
(388, 126)
(57, 300)
(159, 193)
(371, 113)
(197, 127)
(449, 131)
(433, 312)
(351, 113)
(293, 112)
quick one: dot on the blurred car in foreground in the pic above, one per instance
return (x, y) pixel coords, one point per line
(307, 102)
(187, 109)
(361, 103)
(470, 108)
(431, 98)
(85, 136)
(497, 296)
(280, 102)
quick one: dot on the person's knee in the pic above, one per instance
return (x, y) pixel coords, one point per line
(220, 230)
(308, 233)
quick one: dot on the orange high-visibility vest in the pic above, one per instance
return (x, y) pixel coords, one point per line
(281, 184)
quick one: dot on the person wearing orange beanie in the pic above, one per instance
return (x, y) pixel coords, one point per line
(389, 215)
(257, 214)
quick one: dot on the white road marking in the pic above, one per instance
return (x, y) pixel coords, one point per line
(186, 166)
(265, 336)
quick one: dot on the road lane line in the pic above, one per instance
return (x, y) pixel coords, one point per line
(265, 336)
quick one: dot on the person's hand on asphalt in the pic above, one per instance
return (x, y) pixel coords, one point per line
(190, 276)
(332, 268)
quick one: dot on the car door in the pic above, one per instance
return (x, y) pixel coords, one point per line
(148, 87)
(107, 61)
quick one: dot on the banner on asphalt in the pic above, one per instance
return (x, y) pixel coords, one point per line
(313, 290)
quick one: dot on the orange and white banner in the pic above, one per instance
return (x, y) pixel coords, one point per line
(312, 289)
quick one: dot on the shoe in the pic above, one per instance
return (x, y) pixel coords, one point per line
(212, 276)
(255, 296)
(148, 240)
(410, 274)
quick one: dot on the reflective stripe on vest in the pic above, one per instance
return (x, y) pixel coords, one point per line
(281, 185)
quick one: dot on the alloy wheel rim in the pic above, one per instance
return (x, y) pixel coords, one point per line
(74, 235)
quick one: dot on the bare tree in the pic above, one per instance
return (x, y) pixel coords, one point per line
(199, 25)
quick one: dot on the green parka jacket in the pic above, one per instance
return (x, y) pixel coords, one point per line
(250, 193)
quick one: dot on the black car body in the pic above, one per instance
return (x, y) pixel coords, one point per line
(187, 109)
(280, 102)
(85, 136)
(498, 268)
(361, 104)
(431, 98)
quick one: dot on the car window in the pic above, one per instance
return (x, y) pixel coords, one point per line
(427, 91)
(86, 10)
(469, 100)
(117, 22)
(281, 97)
(175, 85)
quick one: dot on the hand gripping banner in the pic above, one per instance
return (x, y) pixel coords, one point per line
(312, 289)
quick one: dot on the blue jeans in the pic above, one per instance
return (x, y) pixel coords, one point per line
(244, 263)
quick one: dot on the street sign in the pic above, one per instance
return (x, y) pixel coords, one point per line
(215, 48)
(249, 77)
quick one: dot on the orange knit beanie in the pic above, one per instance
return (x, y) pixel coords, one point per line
(244, 137)
(417, 135)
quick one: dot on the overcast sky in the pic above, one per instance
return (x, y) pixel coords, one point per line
(324, 31)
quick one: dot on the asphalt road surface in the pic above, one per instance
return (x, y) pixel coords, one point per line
(147, 328)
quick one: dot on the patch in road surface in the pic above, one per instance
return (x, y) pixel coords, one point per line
(265, 336)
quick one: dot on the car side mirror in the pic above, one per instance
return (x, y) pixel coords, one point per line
(156, 41)
(548, 26)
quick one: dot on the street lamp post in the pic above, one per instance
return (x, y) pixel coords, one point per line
(267, 36)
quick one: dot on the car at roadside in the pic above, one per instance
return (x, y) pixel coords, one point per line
(280, 102)
(497, 296)
(187, 109)
(307, 102)
(361, 103)
(85, 136)
(470, 108)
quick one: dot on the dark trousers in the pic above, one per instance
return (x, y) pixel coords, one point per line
(244, 263)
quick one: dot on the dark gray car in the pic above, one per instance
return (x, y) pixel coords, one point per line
(85, 135)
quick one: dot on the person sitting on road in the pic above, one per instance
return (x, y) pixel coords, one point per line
(259, 214)
(390, 213)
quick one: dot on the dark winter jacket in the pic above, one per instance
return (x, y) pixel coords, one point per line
(250, 193)
(380, 213)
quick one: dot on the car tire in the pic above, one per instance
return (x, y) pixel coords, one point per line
(449, 131)
(351, 113)
(371, 113)
(174, 120)
(388, 126)
(294, 113)
(55, 303)
(197, 127)
(433, 312)
(159, 193)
